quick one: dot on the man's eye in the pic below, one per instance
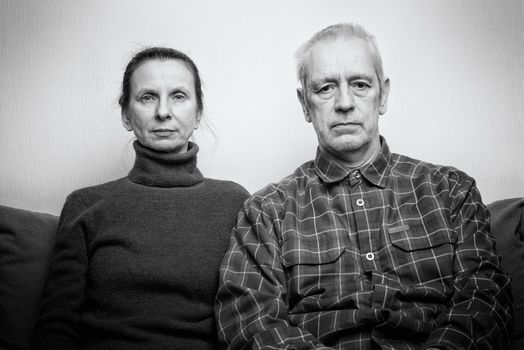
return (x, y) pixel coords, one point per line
(361, 85)
(325, 89)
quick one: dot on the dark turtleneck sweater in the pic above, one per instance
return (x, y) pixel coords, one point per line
(135, 265)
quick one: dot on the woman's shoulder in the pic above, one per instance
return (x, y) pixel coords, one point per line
(226, 187)
(88, 195)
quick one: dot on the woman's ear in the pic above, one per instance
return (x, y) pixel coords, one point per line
(126, 122)
(197, 121)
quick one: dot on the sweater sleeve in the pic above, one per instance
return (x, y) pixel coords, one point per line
(63, 298)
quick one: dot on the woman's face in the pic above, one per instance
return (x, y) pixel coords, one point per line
(162, 110)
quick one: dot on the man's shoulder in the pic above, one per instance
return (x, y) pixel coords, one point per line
(296, 182)
(405, 166)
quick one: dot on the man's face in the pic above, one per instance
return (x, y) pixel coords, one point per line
(342, 99)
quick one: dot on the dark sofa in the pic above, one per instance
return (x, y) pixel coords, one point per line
(26, 239)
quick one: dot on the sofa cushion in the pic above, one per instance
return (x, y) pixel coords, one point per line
(507, 226)
(26, 239)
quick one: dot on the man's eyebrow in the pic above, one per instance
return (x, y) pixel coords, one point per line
(315, 82)
(355, 76)
(361, 76)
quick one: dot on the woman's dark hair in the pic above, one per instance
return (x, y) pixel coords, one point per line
(159, 53)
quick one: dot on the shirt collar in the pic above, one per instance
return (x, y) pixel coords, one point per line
(376, 172)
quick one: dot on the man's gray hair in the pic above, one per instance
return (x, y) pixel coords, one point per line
(341, 30)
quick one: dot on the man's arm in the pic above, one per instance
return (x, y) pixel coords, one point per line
(251, 305)
(480, 312)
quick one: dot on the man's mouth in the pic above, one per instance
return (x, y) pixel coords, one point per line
(345, 126)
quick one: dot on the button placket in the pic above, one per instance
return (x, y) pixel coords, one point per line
(358, 204)
(369, 263)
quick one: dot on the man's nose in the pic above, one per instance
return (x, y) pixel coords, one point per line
(162, 111)
(344, 99)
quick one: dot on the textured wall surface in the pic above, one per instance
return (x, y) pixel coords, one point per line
(456, 69)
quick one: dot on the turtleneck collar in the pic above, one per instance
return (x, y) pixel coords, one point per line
(165, 169)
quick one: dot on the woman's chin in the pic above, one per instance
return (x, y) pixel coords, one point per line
(166, 146)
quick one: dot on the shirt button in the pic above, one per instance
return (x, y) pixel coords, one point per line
(360, 202)
(356, 174)
(370, 256)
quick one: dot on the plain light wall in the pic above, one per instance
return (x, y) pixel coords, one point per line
(456, 70)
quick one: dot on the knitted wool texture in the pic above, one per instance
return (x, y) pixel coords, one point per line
(135, 265)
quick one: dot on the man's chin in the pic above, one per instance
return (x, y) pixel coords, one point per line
(349, 143)
(347, 148)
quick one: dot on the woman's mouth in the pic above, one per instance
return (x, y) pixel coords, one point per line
(163, 132)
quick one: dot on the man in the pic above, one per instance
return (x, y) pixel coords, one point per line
(361, 248)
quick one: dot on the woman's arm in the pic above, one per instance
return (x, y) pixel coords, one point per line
(63, 297)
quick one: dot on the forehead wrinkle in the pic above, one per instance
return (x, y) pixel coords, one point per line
(149, 81)
(340, 59)
(163, 74)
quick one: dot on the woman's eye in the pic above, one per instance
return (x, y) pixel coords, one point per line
(147, 98)
(179, 97)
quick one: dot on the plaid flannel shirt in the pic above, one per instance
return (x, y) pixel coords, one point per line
(396, 255)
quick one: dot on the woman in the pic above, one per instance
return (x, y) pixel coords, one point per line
(135, 265)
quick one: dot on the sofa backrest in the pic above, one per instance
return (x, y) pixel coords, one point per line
(26, 239)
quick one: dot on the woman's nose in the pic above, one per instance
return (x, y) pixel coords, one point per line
(163, 112)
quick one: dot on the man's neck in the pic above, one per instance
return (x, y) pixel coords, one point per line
(354, 160)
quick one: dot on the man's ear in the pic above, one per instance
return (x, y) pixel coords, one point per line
(126, 122)
(303, 102)
(384, 96)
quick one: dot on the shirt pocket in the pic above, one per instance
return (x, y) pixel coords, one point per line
(306, 256)
(421, 252)
(315, 267)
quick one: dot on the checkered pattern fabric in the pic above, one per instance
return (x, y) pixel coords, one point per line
(396, 255)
